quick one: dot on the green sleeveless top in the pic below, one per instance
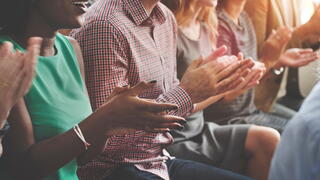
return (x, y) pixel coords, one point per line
(57, 99)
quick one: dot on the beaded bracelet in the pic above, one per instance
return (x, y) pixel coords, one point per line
(78, 131)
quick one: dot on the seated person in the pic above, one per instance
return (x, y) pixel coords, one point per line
(128, 41)
(237, 33)
(53, 128)
(267, 15)
(298, 156)
(229, 147)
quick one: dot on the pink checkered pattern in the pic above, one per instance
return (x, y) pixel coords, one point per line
(123, 45)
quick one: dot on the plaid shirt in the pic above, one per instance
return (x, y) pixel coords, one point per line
(123, 45)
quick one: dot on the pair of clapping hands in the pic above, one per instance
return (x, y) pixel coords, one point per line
(275, 55)
(227, 74)
(205, 77)
(16, 73)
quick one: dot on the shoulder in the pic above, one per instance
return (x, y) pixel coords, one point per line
(305, 126)
(103, 17)
(75, 45)
(168, 14)
(99, 32)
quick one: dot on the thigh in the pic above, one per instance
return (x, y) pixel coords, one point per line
(282, 111)
(190, 170)
(220, 146)
(268, 120)
(130, 172)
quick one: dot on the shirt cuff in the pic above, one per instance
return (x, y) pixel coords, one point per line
(181, 98)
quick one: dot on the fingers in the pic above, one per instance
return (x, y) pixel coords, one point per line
(141, 88)
(176, 126)
(302, 60)
(216, 53)
(29, 62)
(33, 49)
(157, 130)
(236, 85)
(119, 90)
(239, 66)
(155, 107)
(6, 48)
(229, 70)
(282, 36)
(240, 56)
(224, 85)
(305, 51)
(161, 121)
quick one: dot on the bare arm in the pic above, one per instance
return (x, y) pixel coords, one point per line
(36, 160)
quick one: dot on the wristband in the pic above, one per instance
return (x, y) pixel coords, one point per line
(78, 131)
(278, 71)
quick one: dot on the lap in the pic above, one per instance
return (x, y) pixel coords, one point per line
(132, 173)
(178, 170)
(190, 170)
(220, 146)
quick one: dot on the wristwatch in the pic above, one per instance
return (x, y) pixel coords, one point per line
(4, 130)
(278, 71)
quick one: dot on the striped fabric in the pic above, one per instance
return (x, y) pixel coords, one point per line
(123, 45)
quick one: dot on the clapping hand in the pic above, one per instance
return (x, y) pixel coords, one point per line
(17, 70)
(297, 57)
(128, 112)
(274, 46)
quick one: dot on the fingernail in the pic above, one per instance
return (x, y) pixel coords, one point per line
(153, 81)
(179, 128)
(173, 108)
(183, 121)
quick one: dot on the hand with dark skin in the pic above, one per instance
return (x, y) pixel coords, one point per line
(45, 157)
(36, 160)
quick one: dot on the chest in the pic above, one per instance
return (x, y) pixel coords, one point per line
(152, 55)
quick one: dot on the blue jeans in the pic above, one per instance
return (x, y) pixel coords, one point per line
(178, 170)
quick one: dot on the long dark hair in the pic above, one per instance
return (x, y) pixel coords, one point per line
(13, 15)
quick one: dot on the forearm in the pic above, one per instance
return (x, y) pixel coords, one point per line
(300, 35)
(38, 160)
(179, 97)
(206, 103)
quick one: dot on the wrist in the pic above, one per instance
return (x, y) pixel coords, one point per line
(106, 116)
(268, 63)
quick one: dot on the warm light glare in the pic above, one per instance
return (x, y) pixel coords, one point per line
(307, 10)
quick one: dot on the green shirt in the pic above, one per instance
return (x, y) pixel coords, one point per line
(57, 99)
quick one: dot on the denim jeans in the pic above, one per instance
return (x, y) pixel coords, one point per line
(178, 170)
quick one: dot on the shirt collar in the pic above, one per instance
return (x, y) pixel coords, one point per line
(140, 14)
